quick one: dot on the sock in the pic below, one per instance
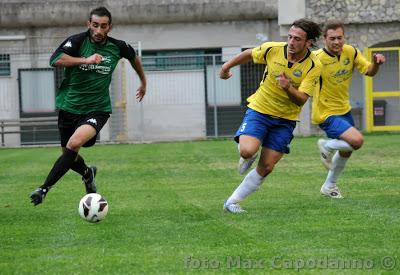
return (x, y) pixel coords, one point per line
(338, 144)
(79, 166)
(338, 164)
(250, 183)
(61, 166)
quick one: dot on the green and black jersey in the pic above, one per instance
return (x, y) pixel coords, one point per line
(85, 88)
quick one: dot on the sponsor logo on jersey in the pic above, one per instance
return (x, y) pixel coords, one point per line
(97, 68)
(341, 73)
(106, 59)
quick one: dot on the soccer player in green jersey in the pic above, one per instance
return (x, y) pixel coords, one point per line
(290, 78)
(331, 108)
(83, 98)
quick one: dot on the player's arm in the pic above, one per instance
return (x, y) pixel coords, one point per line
(296, 96)
(66, 60)
(137, 66)
(241, 58)
(127, 51)
(68, 53)
(379, 59)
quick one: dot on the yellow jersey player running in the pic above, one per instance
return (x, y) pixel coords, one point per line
(331, 105)
(290, 78)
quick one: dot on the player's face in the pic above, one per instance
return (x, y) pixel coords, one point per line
(99, 27)
(297, 41)
(334, 40)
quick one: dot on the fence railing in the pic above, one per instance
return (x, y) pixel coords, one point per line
(185, 100)
(28, 131)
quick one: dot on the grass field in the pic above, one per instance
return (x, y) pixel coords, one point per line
(166, 213)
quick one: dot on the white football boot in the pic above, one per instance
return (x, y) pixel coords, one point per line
(233, 208)
(333, 193)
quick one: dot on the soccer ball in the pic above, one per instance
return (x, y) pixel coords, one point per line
(93, 207)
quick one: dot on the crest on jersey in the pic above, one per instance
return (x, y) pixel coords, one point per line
(297, 73)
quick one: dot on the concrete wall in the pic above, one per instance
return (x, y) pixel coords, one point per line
(198, 35)
(153, 36)
(38, 26)
(44, 24)
(49, 13)
(368, 22)
(168, 24)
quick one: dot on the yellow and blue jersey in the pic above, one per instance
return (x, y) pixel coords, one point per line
(332, 97)
(270, 98)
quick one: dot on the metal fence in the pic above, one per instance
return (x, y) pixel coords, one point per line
(185, 99)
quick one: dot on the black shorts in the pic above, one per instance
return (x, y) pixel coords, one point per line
(68, 123)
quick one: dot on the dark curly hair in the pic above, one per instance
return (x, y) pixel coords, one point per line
(311, 28)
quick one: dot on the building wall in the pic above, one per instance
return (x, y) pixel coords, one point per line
(367, 22)
(38, 26)
(49, 13)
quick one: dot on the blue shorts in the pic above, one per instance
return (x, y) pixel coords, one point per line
(274, 133)
(334, 126)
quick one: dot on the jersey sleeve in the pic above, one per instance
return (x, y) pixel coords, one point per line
(259, 54)
(69, 46)
(128, 52)
(360, 62)
(125, 50)
(311, 80)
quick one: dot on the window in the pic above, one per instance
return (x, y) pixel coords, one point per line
(5, 69)
(174, 60)
(37, 92)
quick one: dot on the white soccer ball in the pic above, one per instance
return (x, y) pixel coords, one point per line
(93, 207)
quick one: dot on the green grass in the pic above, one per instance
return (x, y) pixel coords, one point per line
(166, 215)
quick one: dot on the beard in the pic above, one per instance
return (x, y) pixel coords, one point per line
(97, 38)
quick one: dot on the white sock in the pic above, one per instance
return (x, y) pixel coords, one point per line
(250, 183)
(338, 144)
(338, 164)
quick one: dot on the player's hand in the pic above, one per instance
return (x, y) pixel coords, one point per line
(224, 74)
(379, 58)
(284, 81)
(140, 92)
(94, 59)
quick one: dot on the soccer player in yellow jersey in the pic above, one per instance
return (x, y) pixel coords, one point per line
(331, 105)
(290, 77)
